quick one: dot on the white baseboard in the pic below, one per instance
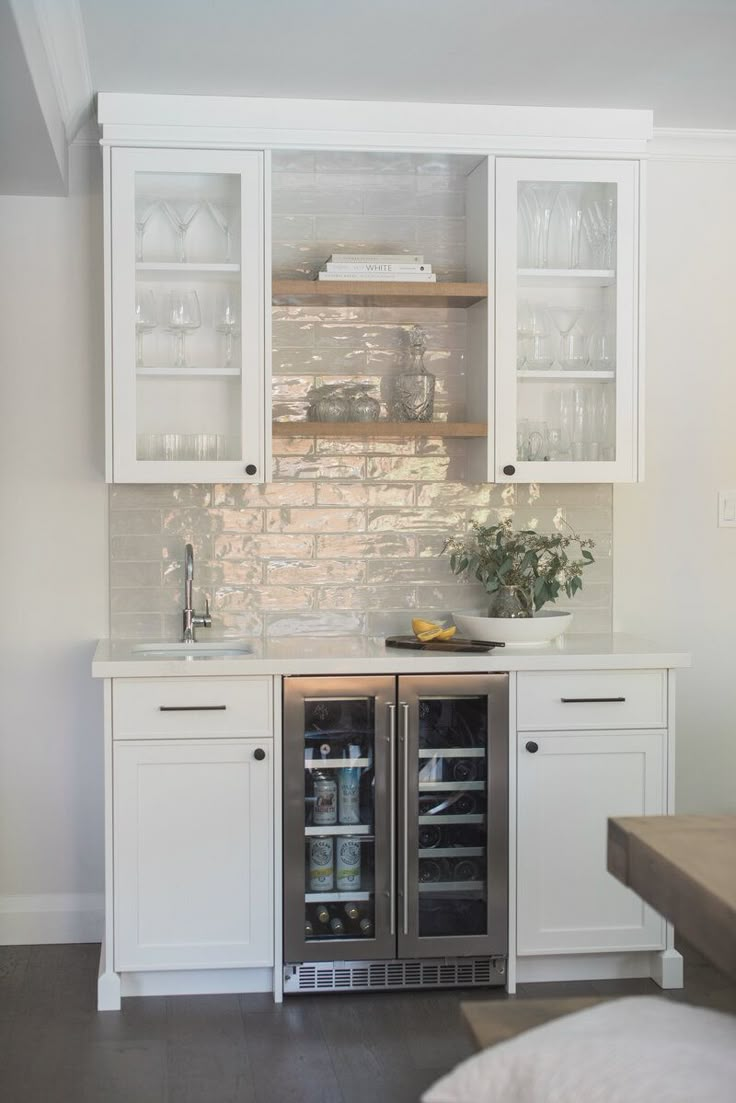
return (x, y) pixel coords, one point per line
(194, 982)
(608, 966)
(51, 918)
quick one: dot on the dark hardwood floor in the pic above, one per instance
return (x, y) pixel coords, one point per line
(56, 1048)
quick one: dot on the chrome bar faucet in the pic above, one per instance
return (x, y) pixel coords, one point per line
(192, 620)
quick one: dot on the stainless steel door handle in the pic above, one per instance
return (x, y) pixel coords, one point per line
(392, 814)
(192, 708)
(405, 738)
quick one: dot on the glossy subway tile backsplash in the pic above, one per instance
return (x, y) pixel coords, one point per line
(348, 537)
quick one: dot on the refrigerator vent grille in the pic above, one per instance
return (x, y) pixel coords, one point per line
(361, 975)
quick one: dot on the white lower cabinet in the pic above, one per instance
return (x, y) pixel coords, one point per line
(193, 854)
(569, 783)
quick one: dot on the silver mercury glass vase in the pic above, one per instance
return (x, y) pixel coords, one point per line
(414, 388)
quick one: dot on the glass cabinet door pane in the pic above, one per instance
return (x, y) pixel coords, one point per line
(566, 318)
(187, 317)
(452, 823)
(339, 818)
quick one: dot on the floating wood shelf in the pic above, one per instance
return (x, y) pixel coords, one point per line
(376, 293)
(373, 429)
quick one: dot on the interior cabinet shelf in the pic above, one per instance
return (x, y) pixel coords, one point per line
(372, 429)
(376, 293)
(171, 270)
(566, 277)
(188, 373)
(560, 373)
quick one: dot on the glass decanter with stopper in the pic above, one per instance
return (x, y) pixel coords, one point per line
(414, 387)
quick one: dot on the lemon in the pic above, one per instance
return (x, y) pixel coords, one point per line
(429, 634)
(446, 633)
(418, 625)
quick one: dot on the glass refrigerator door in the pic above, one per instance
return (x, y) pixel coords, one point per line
(338, 859)
(453, 740)
(567, 257)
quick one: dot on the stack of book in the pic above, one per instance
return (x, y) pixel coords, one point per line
(386, 267)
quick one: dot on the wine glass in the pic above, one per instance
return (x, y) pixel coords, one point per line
(144, 211)
(182, 315)
(145, 321)
(564, 318)
(524, 330)
(574, 349)
(181, 216)
(602, 349)
(542, 197)
(218, 216)
(227, 320)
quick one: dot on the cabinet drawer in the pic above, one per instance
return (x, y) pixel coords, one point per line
(564, 700)
(181, 708)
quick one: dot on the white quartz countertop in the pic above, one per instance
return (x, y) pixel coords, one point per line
(359, 655)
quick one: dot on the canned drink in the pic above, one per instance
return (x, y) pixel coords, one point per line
(348, 863)
(325, 801)
(321, 864)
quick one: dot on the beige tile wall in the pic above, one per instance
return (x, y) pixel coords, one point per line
(348, 537)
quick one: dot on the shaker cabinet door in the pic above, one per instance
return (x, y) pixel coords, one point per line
(568, 786)
(193, 854)
(186, 322)
(567, 329)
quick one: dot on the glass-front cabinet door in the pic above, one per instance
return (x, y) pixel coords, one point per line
(453, 784)
(339, 819)
(566, 320)
(187, 333)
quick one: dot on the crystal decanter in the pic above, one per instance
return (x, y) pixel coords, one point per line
(414, 388)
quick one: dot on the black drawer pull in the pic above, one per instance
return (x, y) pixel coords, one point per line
(590, 700)
(192, 708)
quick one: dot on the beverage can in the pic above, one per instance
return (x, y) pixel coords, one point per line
(321, 864)
(348, 863)
(349, 795)
(325, 801)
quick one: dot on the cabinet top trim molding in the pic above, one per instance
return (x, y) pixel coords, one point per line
(327, 124)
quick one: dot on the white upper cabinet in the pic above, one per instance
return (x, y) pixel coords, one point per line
(567, 332)
(186, 340)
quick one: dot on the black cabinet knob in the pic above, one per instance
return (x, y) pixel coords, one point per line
(509, 469)
(250, 469)
(259, 754)
(532, 747)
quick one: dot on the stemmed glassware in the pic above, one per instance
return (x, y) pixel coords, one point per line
(227, 321)
(145, 321)
(565, 318)
(182, 315)
(144, 211)
(218, 216)
(524, 330)
(539, 343)
(181, 216)
(602, 348)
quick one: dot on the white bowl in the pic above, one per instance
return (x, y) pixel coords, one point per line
(541, 628)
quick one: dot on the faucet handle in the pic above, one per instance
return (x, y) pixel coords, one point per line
(207, 618)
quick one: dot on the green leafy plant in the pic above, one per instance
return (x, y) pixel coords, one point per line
(535, 565)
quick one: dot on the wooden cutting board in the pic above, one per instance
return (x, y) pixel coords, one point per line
(479, 647)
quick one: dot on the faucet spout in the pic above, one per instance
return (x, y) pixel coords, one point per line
(190, 619)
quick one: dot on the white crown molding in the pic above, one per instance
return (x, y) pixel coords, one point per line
(64, 41)
(672, 144)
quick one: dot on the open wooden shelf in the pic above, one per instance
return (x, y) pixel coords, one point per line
(376, 293)
(373, 429)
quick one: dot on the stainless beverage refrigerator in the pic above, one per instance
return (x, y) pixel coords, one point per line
(395, 831)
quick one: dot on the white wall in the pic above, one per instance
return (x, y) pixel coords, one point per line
(674, 570)
(53, 553)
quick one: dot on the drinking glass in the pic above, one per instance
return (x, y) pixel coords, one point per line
(524, 330)
(145, 321)
(182, 315)
(602, 347)
(227, 320)
(540, 353)
(570, 209)
(181, 216)
(525, 229)
(537, 441)
(221, 221)
(542, 197)
(599, 224)
(574, 349)
(144, 211)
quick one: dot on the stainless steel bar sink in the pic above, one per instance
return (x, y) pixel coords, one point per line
(220, 650)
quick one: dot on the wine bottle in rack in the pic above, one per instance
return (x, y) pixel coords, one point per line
(366, 926)
(337, 926)
(308, 929)
(322, 914)
(352, 911)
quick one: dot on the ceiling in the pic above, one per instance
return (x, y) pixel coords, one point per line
(674, 56)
